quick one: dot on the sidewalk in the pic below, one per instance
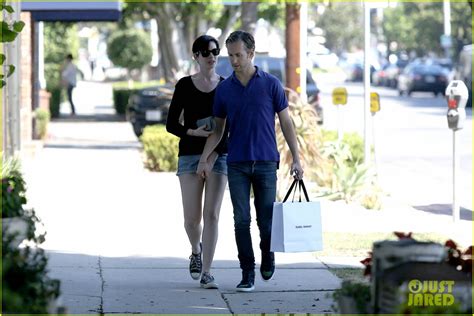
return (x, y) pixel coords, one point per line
(115, 231)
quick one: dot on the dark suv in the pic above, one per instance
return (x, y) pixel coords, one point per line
(276, 67)
(149, 106)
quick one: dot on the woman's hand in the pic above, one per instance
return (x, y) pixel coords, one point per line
(199, 132)
(204, 169)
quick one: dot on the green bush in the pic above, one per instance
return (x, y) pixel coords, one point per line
(353, 139)
(120, 97)
(55, 101)
(129, 49)
(42, 120)
(161, 148)
(13, 189)
(26, 287)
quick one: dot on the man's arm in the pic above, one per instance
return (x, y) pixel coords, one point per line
(211, 144)
(290, 137)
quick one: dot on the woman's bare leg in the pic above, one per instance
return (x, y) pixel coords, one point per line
(191, 192)
(215, 186)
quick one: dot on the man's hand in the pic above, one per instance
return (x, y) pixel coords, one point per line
(199, 132)
(204, 169)
(296, 170)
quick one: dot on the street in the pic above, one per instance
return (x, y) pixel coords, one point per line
(412, 142)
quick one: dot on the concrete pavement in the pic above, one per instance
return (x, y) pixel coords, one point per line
(115, 232)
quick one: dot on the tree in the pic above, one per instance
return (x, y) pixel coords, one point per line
(343, 26)
(417, 26)
(249, 16)
(179, 23)
(129, 49)
(9, 32)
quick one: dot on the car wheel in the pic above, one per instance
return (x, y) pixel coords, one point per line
(401, 93)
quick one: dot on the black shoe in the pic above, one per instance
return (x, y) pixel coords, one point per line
(247, 283)
(195, 265)
(267, 268)
(208, 281)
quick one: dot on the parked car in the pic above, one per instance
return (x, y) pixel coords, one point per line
(149, 106)
(379, 77)
(276, 67)
(423, 77)
(393, 71)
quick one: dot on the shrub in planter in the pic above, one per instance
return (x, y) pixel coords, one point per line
(26, 288)
(353, 297)
(160, 147)
(55, 101)
(42, 117)
(120, 97)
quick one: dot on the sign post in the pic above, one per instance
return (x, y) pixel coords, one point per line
(374, 108)
(339, 97)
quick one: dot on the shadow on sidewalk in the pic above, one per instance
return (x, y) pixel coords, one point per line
(445, 209)
(84, 118)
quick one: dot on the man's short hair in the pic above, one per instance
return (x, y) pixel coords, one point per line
(243, 36)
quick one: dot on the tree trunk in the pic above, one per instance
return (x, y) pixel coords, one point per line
(168, 59)
(249, 16)
(293, 43)
(234, 14)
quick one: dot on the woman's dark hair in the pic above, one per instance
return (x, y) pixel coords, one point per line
(69, 56)
(202, 43)
(243, 36)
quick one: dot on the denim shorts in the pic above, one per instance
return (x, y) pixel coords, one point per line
(188, 164)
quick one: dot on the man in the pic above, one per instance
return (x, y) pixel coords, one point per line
(69, 79)
(248, 101)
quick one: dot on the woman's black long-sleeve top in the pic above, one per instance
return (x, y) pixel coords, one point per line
(196, 105)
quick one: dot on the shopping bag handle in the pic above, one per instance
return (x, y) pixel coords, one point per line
(300, 186)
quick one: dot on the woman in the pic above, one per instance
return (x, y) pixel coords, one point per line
(193, 97)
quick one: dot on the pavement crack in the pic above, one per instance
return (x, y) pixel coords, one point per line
(227, 303)
(100, 311)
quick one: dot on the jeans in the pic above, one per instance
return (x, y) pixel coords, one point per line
(69, 97)
(261, 175)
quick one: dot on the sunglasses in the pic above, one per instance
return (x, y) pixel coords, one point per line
(206, 53)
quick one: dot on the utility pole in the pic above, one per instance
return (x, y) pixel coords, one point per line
(446, 39)
(292, 41)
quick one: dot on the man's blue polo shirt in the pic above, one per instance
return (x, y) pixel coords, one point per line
(250, 113)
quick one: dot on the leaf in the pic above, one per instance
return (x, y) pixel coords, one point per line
(2, 59)
(11, 70)
(18, 26)
(7, 35)
(402, 235)
(7, 8)
(468, 251)
(451, 244)
(2, 83)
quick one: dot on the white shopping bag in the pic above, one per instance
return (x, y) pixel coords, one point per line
(296, 226)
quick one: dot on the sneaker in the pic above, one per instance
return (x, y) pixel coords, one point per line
(195, 265)
(247, 283)
(267, 268)
(208, 282)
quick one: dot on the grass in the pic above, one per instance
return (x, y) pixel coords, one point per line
(339, 244)
(355, 275)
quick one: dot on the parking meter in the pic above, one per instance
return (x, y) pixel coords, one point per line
(457, 95)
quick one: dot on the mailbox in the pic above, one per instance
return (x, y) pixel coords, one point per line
(456, 95)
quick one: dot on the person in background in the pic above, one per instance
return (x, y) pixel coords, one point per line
(193, 98)
(69, 74)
